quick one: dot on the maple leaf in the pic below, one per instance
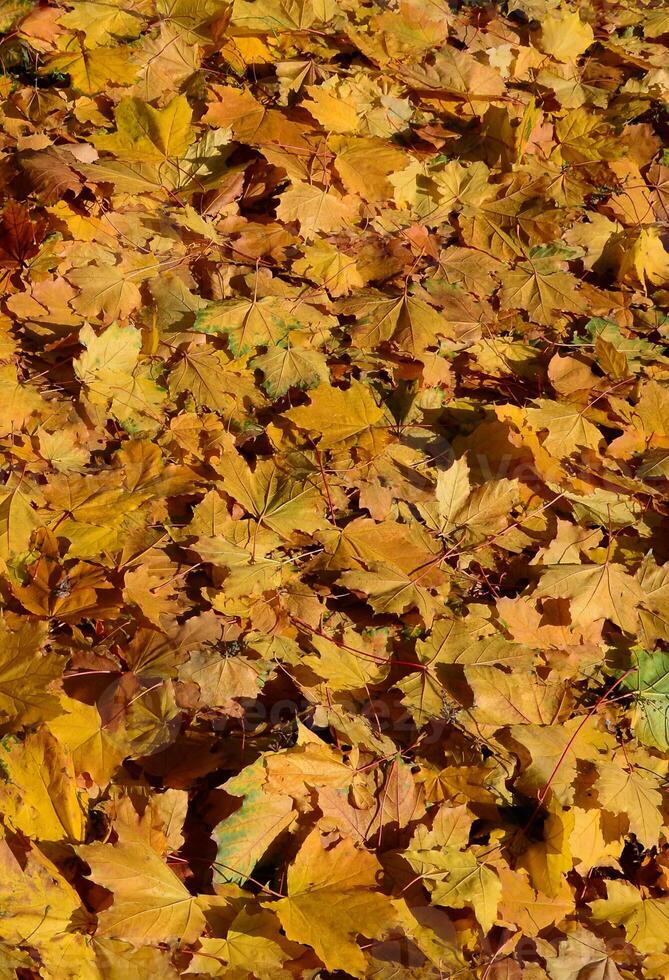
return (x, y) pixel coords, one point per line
(334, 113)
(541, 289)
(101, 24)
(458, 879)
(546, 861)
(315, 209)
(554, 752)
(19, 235)
(271, 15)
(309, 763)
(145, 133)
(595, 592)
(152, 587)
(26, 674)
(458, 73)
(150, 903)
(37, 900)
(650, 684)
(518, 698)
(339, 415)
(432, 933)
(392, 590)
(645, 259)
(481, 510)
(115, 351)
(244, 836)
(271, 497)
(18, 517)
(330, 267)
(96, 746)
(644, 919)
(246, 323)
(406, 321)
(109, 368)
(39, 795)
(165, 62)
(528, 909)
(50, 173)
(366, 165)
(345, 665)
(331, 901)
(568, 428)
(92, 71)
(291, 366)
(221, 679)
(634, 793)
(21, 401)
(111, 291)
(582, 954)
(565, 36)
(453, 490)
(207, 375)
(62, 451)
(252, 937)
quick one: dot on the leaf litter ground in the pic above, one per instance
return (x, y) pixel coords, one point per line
(334, 576)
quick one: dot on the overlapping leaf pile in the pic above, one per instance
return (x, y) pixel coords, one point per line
(333, 532)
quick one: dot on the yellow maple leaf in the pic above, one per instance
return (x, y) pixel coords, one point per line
(96, 747)
(151, 904)
(37, 901)
(564, 35)
(92, 71)
(39, 794)
(332, 899)
(338, 415)
(645, 920)
(365, 165)
(595, 592)
(316, 209)
(329, 267)
(145, 133)
(458, 879)
(101, 23)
